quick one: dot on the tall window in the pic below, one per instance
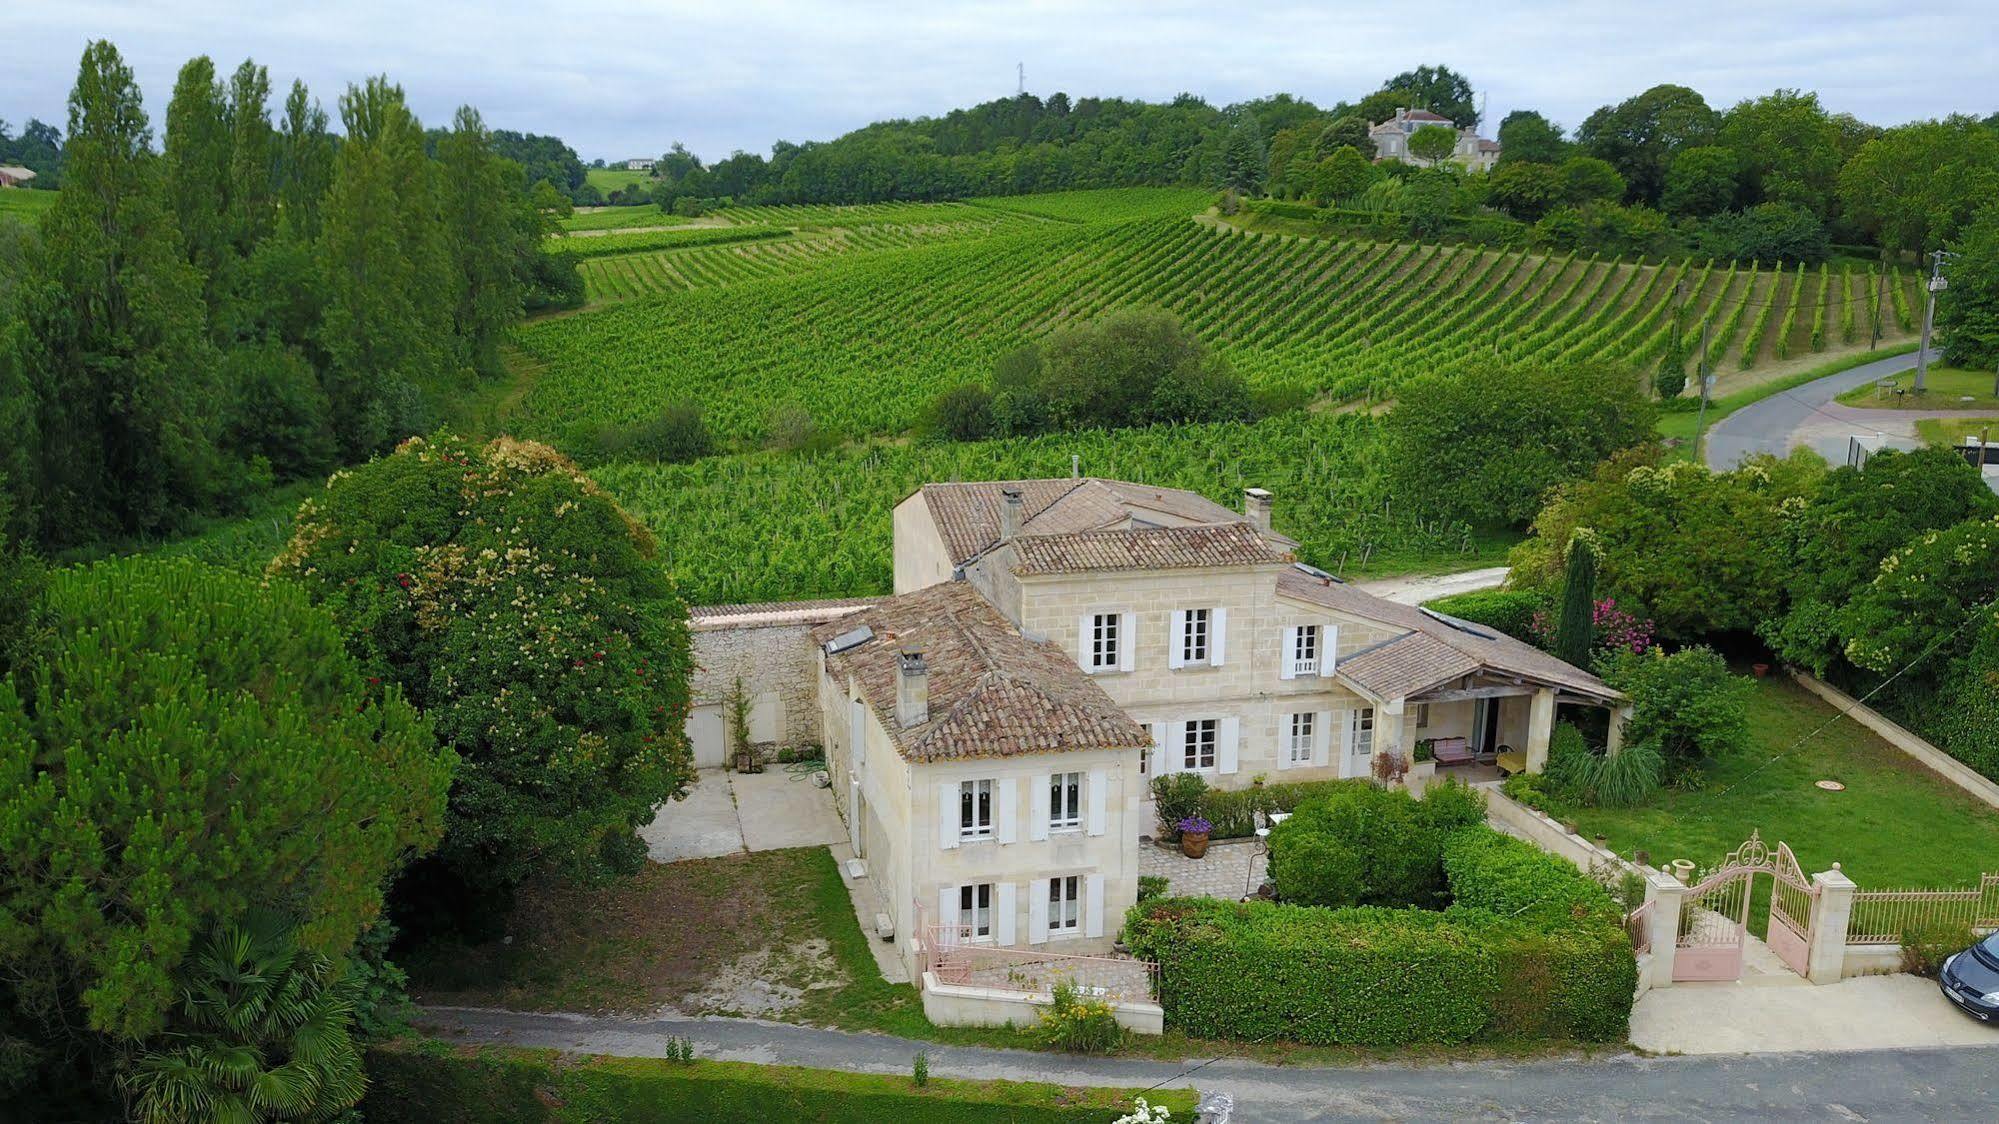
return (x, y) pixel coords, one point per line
(1193, 639)
(975, 910)
(1302, 731)
(1305, 651)
(1422, 716)
(975, 810)
(1104, 642)
(1363, 731)
(1198, 748)
(1065, 906)
(1065, 802)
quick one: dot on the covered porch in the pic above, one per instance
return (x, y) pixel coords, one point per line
(1482, 725)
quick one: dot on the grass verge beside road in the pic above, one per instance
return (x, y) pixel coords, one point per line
(426, 1082)
(1945, 388)
(1951, 432)
(1679, 425)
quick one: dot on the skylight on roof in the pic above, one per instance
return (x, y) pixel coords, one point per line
(852, 638)
(1314, 571)
(1461, 625)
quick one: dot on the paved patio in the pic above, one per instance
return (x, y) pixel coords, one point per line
(726, 813)
(1222, 873)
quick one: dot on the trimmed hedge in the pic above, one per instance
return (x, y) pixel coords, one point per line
(1392, 226)
(430, 1084)
(1233, 811)
(1530, 949)
(1509, 610)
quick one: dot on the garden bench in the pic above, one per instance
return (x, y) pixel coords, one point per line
(1451, 751)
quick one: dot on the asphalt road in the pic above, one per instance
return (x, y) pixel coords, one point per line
(1881, 1085)
(1776, 423)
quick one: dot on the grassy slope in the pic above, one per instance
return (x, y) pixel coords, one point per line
(25, 202)
(1945, 388)
(608, 180)
(1896, 825)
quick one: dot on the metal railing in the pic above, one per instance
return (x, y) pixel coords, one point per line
(1638, 925)
(955, 957)
(1882, 916)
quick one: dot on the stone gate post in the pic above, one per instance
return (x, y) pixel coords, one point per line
(1667, 894)
(1832, 909)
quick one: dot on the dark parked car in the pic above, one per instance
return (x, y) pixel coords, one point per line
(1970, 979)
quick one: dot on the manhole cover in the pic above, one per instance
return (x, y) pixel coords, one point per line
(1831, 786)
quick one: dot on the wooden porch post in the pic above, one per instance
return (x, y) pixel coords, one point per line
(1619, 715)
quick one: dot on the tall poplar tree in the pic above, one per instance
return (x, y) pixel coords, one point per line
(198, 157)
(252, 159)
(482, 209)
(387, 322)
(305, 163)
(109, 340)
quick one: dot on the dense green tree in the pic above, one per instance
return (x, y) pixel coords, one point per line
(1855, 517)
(1346, 131)
(1440, 90)
(1586, 179)
(1526, 190)
(1484, 443)
(305, 163)
(1700, 551)
(1526, 137)
(1134, 368)
(1787, 147)
(1688, 704)
(1244, 157)
(489, 232)
(166, 705)
(198, 160)
(253, 156)
(110, 347)
(1702, 180)
(1433, 143)
(1341, 176)
(1927, 600)
(1641, 135)
(261, 1033)
(1767, 232)
(387, 319)
(528, 616)
(1606, 228)
(1968, 311)
(1916, 186)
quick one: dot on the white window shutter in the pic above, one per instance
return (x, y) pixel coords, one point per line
(1344, 719)
(1100, 794)
(1176, 747)
(1037, 911)
(1009, 810)
(1287, 667)
(1284, 741)
(1085, 631)
(1225, 751)
(947, 815)
(1158, 750)
(1037, 804)
(1322, 736)
(1127, 641)
(1093, 905)
(1329, 649)
(1176, 639)
(947, 916)
(1005, 906)
(1218, 636)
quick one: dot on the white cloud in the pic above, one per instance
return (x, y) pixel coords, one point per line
(625, 77)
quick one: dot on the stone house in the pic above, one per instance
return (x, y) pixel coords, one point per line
(992, 727)
(1391, 140)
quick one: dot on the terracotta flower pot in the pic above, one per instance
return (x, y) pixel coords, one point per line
(1193, 845)
(1761, 669)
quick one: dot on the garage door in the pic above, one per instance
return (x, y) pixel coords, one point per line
(704, 730)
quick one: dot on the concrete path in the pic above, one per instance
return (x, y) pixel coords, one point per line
(1864, 1013)
(1415, 591)
(1923, 1084)
(726, 813)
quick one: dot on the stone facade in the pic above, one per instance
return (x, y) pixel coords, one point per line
(773, 654)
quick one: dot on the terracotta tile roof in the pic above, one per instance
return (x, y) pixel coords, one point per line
(1433, 649)
(759, 613)
(1148, 548)
(968, 514)
(992, 691)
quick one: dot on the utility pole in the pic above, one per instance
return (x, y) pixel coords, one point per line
(1707, 385)
(1937, 285)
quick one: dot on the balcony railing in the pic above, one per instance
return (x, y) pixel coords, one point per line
(952, 955)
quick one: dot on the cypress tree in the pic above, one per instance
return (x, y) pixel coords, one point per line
(1575, 628)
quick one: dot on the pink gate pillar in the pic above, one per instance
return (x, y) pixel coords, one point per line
(1665, 894)
(1831, 910)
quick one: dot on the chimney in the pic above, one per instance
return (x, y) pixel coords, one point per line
(1256, 505)
(1010, 508)
(912, 689)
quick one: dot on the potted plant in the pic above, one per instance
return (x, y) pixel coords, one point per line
(1194, 836)
(1761, 669)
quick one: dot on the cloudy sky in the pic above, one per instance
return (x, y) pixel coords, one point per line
(627, 77)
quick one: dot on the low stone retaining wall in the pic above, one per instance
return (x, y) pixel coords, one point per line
(1871, 960)
(958, 1005)
(1544, 832)
(1936, 760)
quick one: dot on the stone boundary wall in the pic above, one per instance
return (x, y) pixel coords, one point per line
(1936, 760)
(959, 1005)
(1544, 832)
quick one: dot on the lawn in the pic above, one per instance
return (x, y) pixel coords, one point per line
(1896, 824)
(26, 202)
(1946, 388)
(608, 180)
(1951, 432)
